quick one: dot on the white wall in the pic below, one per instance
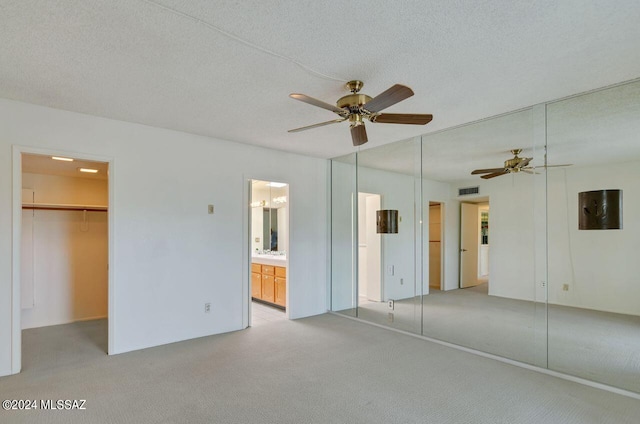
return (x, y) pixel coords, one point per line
(69, 261)
(399, 192)
(512, 235)
(169, 255)
(600, 267)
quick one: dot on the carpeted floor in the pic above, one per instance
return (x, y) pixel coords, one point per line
(323, 369)
(598, 346)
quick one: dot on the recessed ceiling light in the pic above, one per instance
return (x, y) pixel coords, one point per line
(61, 158)
(89, 170)
(276, 185)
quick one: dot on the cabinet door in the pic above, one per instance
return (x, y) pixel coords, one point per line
(268, 291)
(256, 285)
(281, 291)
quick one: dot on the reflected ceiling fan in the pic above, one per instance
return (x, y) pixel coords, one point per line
(357, 107)
(512, 166)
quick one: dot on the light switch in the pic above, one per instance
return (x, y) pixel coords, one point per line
(210, 209)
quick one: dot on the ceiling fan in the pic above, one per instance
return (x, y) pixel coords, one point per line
(513, 165)
(356, 107)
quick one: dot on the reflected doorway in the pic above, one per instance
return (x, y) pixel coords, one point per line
(474, 244)
(269, 243)
(369, 250)
(435, 245)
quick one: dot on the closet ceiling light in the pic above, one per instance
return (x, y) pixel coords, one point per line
(89, 170)
(61, 158)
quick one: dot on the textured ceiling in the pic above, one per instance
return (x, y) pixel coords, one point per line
(225, 68)
(600, 127)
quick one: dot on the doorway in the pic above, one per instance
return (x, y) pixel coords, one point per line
(269, 251)
(435, 246)
(474, 244)
(62, 247)
(369, 250)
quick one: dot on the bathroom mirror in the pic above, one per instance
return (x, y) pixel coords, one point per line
(269, 217)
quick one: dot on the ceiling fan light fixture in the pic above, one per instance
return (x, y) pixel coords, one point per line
(356, 107)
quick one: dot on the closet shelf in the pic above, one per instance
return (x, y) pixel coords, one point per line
(64, 207)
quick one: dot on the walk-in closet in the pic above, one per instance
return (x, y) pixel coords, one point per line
(64, 252)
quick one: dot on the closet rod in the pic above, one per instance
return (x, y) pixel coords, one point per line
(67, 208)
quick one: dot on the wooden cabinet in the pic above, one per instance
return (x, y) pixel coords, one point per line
(256, 285)
(269, 284)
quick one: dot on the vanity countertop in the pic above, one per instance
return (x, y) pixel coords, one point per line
(273, 260)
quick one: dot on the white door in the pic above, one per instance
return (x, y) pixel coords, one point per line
(374, 250)
(469, 236)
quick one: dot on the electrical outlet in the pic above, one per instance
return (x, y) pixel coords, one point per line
(210, 209)
(390, 317)
(390, 269)
(207, 308)
(401, 281)
(565, 287)
(391, 305)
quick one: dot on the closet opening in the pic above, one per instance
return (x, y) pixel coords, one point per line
(64, 255)
(269, 245)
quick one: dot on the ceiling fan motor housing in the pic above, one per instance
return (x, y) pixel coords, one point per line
(353, 102)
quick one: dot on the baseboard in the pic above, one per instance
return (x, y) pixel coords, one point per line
(530, 367)
(69, 321)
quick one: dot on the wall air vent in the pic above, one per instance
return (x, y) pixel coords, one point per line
(468, 190)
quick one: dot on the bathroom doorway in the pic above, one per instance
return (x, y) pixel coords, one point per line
(269, 245)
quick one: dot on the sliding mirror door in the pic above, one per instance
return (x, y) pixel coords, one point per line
(484, 250)
(594, 235)
(344, 210)
(389, 245)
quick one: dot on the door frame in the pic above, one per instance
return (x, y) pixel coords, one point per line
(246, 244)
(16, 310)
(380, 252)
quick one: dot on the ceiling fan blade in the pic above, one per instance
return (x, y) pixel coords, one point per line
(389, 97)
(403, 118)
(486, 171)
(319, 103)
(359, 135)
(555, 166)
(495, 174)
(321, 124)
(529, 171)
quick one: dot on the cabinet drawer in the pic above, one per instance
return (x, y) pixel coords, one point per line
(256, 268)
(268, 269)
(281, 271)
